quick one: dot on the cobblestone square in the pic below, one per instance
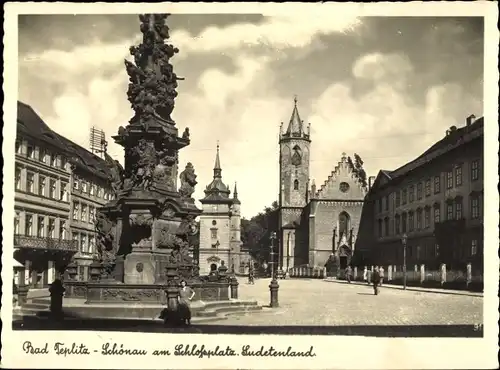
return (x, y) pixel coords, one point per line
(325, 303)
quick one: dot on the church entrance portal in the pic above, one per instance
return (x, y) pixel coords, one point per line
(343, 262)
(213, 267)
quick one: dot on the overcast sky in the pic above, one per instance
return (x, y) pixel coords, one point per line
(383, 87)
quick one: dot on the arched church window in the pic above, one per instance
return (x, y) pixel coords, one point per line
(296, 185)
(343, 224)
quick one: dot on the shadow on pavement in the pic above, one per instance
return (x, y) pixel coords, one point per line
(149, 326)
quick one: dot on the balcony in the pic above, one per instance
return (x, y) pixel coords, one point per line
(33, 242)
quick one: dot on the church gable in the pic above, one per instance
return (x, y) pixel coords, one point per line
(343, 183)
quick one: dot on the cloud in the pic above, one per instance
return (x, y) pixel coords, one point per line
(82, 57)
(278, 32)
(384, 125)
(372, 111)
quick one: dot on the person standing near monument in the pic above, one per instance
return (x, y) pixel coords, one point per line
(186, 294)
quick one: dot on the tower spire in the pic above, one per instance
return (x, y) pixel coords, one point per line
(235, 195)
(217, 167)
(295, 125)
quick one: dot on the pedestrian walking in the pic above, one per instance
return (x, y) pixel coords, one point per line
(381, 273)
(365, 274)
(251, 278)
(348, 274)
(376, 280)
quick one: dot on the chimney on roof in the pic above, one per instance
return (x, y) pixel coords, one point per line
(470, 120)
(371, 180)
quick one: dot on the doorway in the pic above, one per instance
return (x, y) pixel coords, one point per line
(213, 267)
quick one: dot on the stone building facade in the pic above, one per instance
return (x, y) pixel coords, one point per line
(317, 226)
(220, 226)
(90, 190)
(436, 200)
(46, 166)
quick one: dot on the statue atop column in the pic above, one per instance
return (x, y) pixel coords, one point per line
(149, 218)
(151, 90)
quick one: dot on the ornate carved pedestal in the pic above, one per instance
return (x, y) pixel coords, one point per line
(234, 287)
(22, 294)
(273, 288)
(147, 236)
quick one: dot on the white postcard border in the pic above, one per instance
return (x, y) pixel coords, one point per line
(331, 351)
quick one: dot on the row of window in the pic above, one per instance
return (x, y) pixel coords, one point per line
(83, 212)
(86, 242)
(421, 218)
(86, 187)
(419, 252)
(41, 185)
(412, 192)
(40, 225)
(43, 155)
(43, 226)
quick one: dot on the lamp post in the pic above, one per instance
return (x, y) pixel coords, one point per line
(403, 241)
(334, 237)
(271, 254)
(288, 254)
(274, 286)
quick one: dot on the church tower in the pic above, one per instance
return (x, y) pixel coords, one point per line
(294, 146)
(215, 228)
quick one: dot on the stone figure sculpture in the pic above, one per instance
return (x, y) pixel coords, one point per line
(188, 181)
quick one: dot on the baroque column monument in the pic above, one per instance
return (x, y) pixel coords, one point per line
(147, 233)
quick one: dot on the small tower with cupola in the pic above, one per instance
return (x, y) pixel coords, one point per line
(217, 227)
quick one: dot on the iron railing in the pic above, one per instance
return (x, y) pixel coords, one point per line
(34, 242)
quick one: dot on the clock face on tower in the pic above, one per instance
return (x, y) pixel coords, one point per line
(296, 156)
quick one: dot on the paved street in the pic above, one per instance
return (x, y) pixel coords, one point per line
(319, 307)
(317, 302)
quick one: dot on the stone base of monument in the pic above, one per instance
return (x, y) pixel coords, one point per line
(126, 294)
(77, 309)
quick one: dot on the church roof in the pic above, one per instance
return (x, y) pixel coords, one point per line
(235, 195)
(217, 191)
(332, 182)
(295, 125)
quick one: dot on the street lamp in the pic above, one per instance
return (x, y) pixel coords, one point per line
(274, 286)
(403, 241)
(273, 238)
